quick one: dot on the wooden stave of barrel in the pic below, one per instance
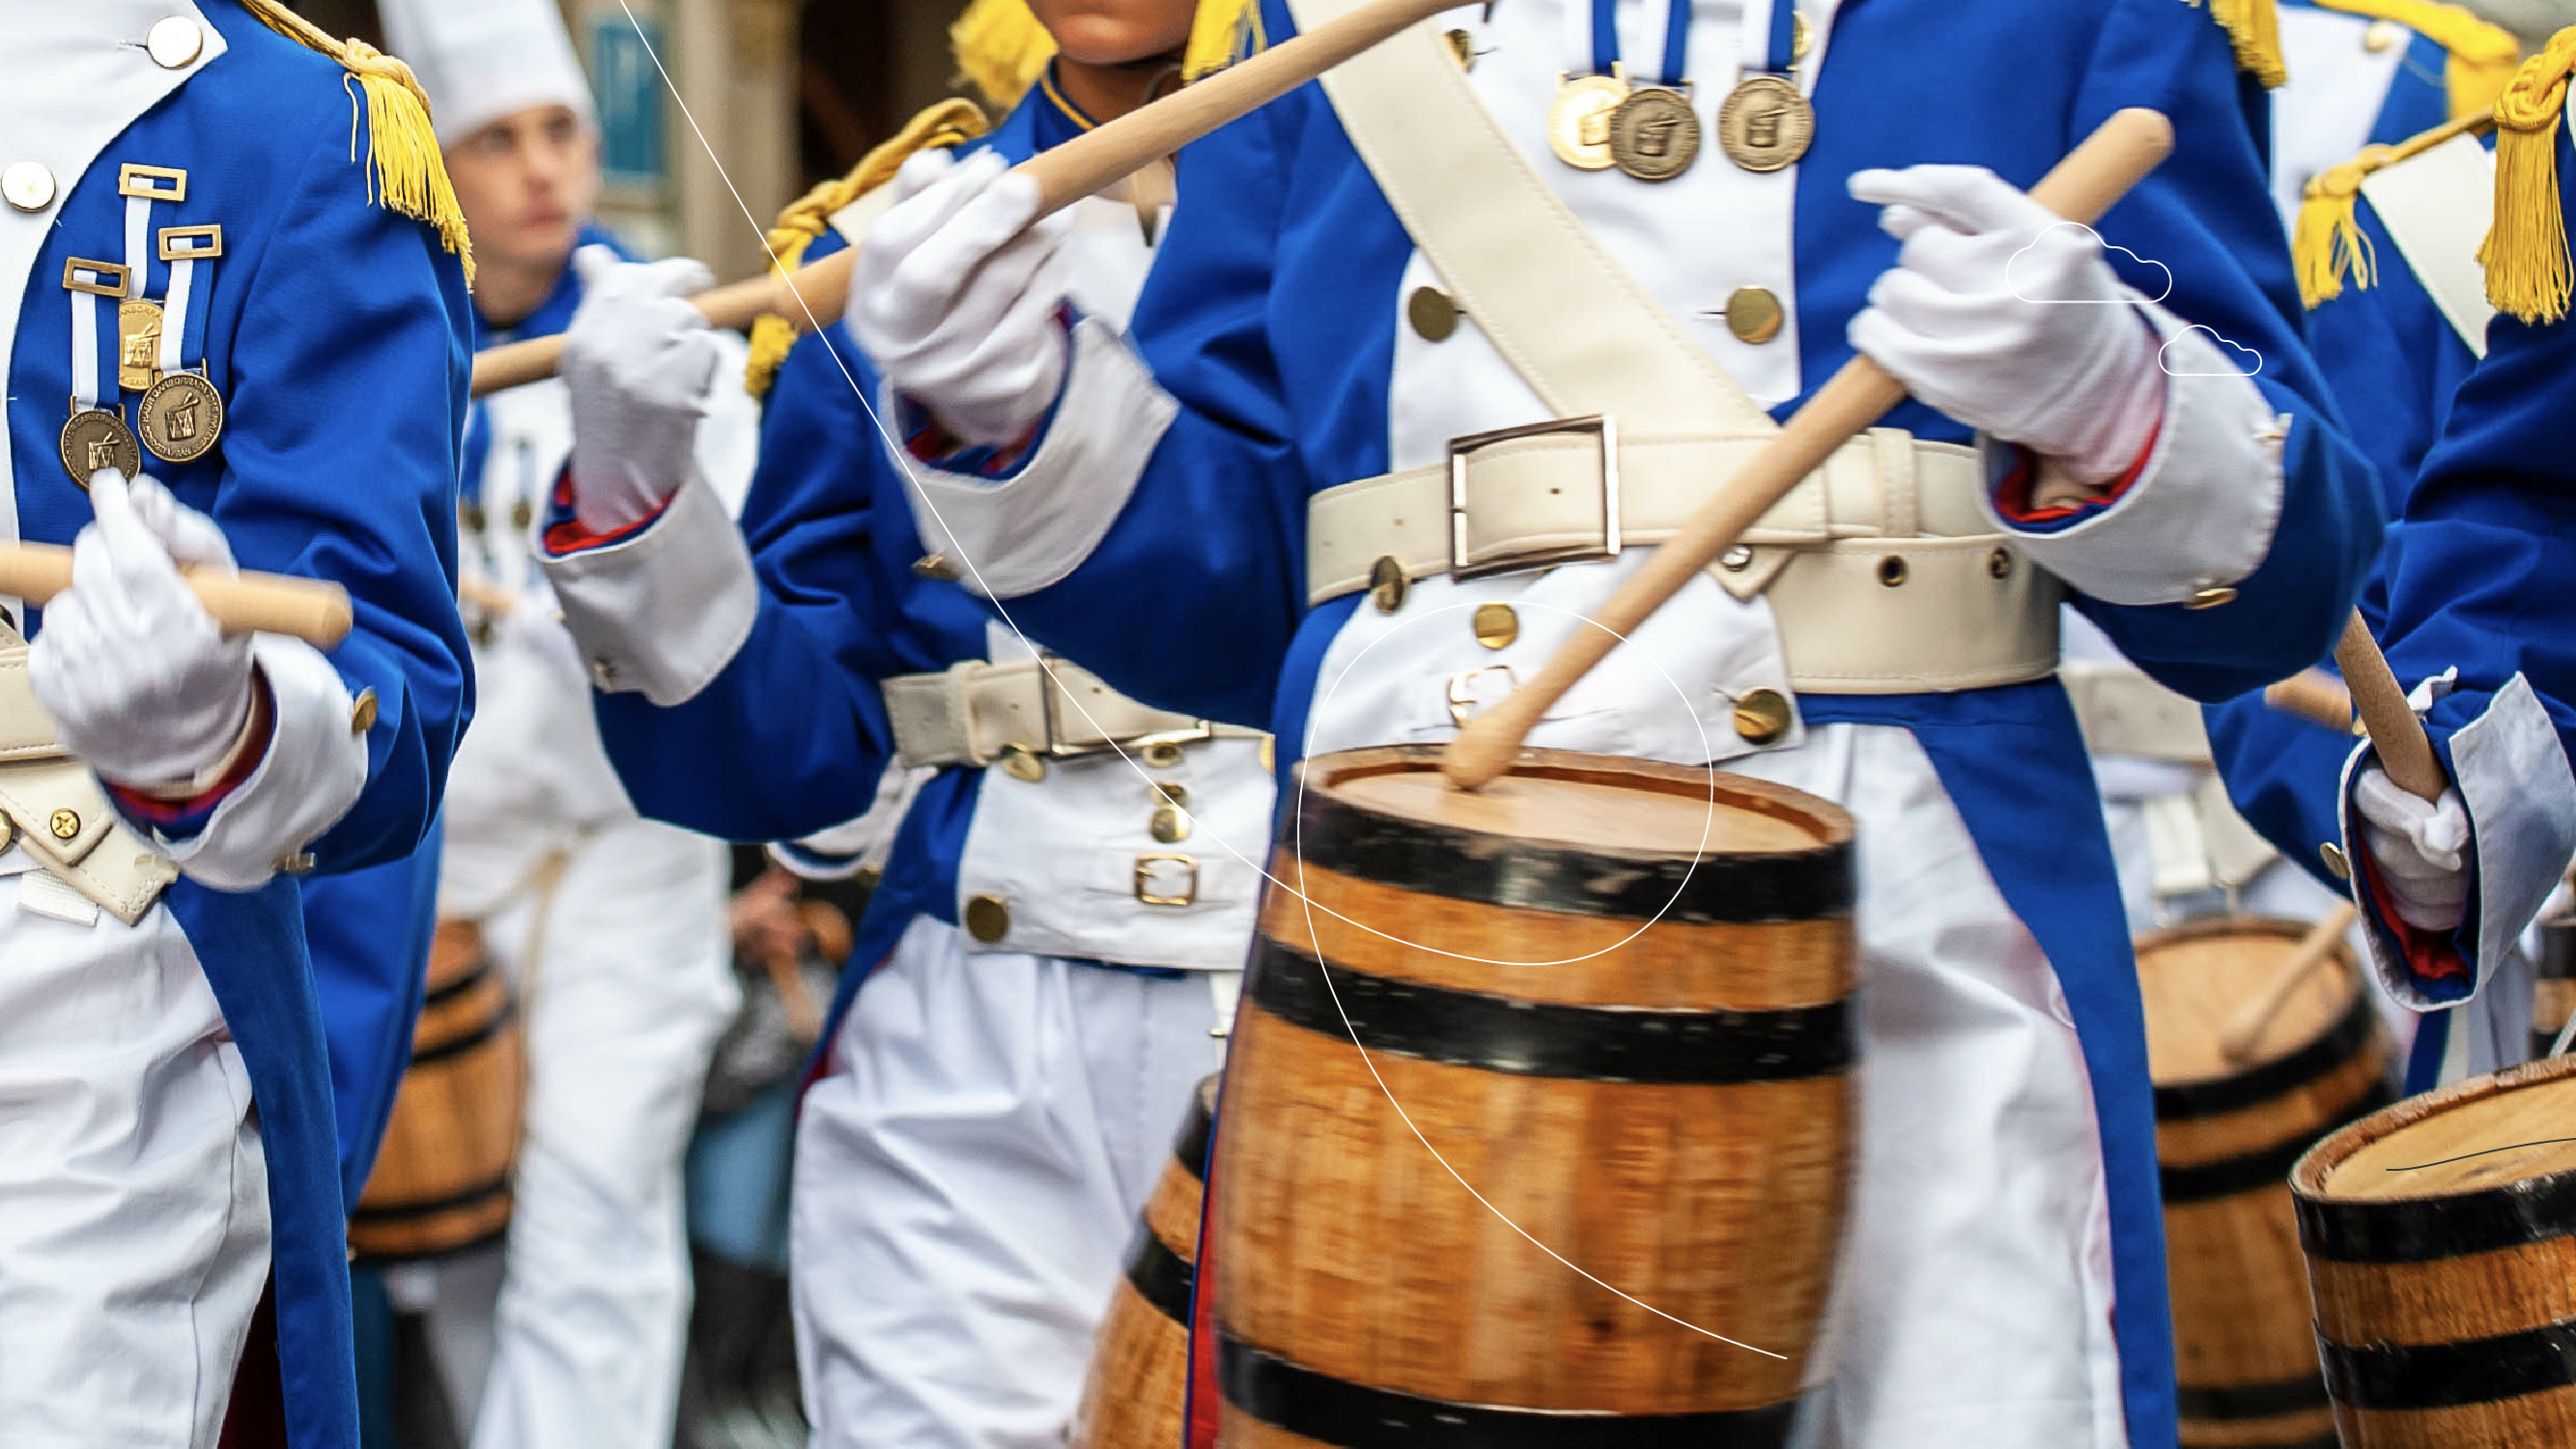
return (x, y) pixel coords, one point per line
(1138, 1383)
(2447, 1320)
(2553, 994)
(441, 1183)
(1337, 1322)
(2245, 1353)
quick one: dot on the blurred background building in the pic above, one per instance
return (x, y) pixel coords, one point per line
(786, 93)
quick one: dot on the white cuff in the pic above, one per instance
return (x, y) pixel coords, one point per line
(1014, 536)
(314, 769)
(2200, 515)
(2513, 777)
(664, 610)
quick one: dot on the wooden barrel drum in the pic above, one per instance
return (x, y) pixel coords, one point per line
(1664, 1097)
(2227, 1133)
(442, 1181)
(2553, 996)
(1140, 1358)
(2441, 1242)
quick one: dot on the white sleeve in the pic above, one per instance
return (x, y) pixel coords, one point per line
(314, 770)
(664, 609)
(1016, 535)
(2200, 515)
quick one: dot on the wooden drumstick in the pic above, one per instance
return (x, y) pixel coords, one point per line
(313, 610)
(2315, 696)
(2243, 1032)
(1083, 166)
(2395, 733)
(2080, 188)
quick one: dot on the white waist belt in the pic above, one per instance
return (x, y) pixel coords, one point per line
(58, 812)
(974, 712)
(2124, 713)
(1884, 573)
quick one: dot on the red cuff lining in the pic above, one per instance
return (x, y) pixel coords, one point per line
(2012, 495)
(2430, 955)
(155, 810)
(570, 536)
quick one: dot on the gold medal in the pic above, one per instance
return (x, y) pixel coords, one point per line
(138, 343)
(1654, 135)
(1765, 124)
(181, 417)
(97, 438)
(1578, 121)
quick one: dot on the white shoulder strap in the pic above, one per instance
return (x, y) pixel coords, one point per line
(2437, 205)
(1519, 263)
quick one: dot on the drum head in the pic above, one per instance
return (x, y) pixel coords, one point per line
(2487, 1133)
(1592, 803)
(2195, 978)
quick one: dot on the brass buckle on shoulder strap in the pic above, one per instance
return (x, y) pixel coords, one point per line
(1605, 432)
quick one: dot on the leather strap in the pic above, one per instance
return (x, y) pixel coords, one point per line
(1572, 322)
(58, 811)
(972, 712)
(2437, 206)
(2124, 713)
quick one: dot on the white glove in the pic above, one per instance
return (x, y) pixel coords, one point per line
(2421, 848)
(141, 684)
(2073, 376)
(637, 359)
(955, 296)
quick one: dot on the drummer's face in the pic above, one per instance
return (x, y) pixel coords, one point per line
(1116, 32)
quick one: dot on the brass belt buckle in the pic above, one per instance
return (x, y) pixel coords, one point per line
(1462, 690)
(1605, 432)
(1146, 889)
(1057, 746)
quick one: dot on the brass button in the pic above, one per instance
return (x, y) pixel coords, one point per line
(8, 832)
(987, 919)
(2336, 865)
(1433, 314)
(1269, 755)
(868, 877)
(1761, 716)
(470, 517)
(1999, 564)
(27, 185)
(362, 715)
(1176, 794)
(1496, 625)
(934, 566)
(1736, 560)
(2211, 597)
(1463, 47)
(1022, 763)
(175, 42)
(65, 824)
(2382, 36)
(1387, 583)
(603, 674)
(1162, 754)
(1171, 825)
(1891, 571)
(1753, 315)
(523, 516)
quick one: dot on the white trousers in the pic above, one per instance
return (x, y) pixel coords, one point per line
(570, 1336)
(967, 1178)
(1973, 1299)
(134, 1222)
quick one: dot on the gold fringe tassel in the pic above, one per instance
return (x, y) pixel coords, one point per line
(2525, 252)
(408, 175)
(949, 123)
(1001, 48)
(2482, 56)
(2254, 28)
(2328, 244)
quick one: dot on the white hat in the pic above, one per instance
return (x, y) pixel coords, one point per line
(480, 60)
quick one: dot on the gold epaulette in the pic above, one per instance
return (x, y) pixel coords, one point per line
(949, 123)
(2328, 245)
(2481, 56)
(2525, 252)
(2254, 29)
(408, 176)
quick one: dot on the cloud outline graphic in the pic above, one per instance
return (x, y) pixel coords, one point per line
(2017, 292)
(2228, 343)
